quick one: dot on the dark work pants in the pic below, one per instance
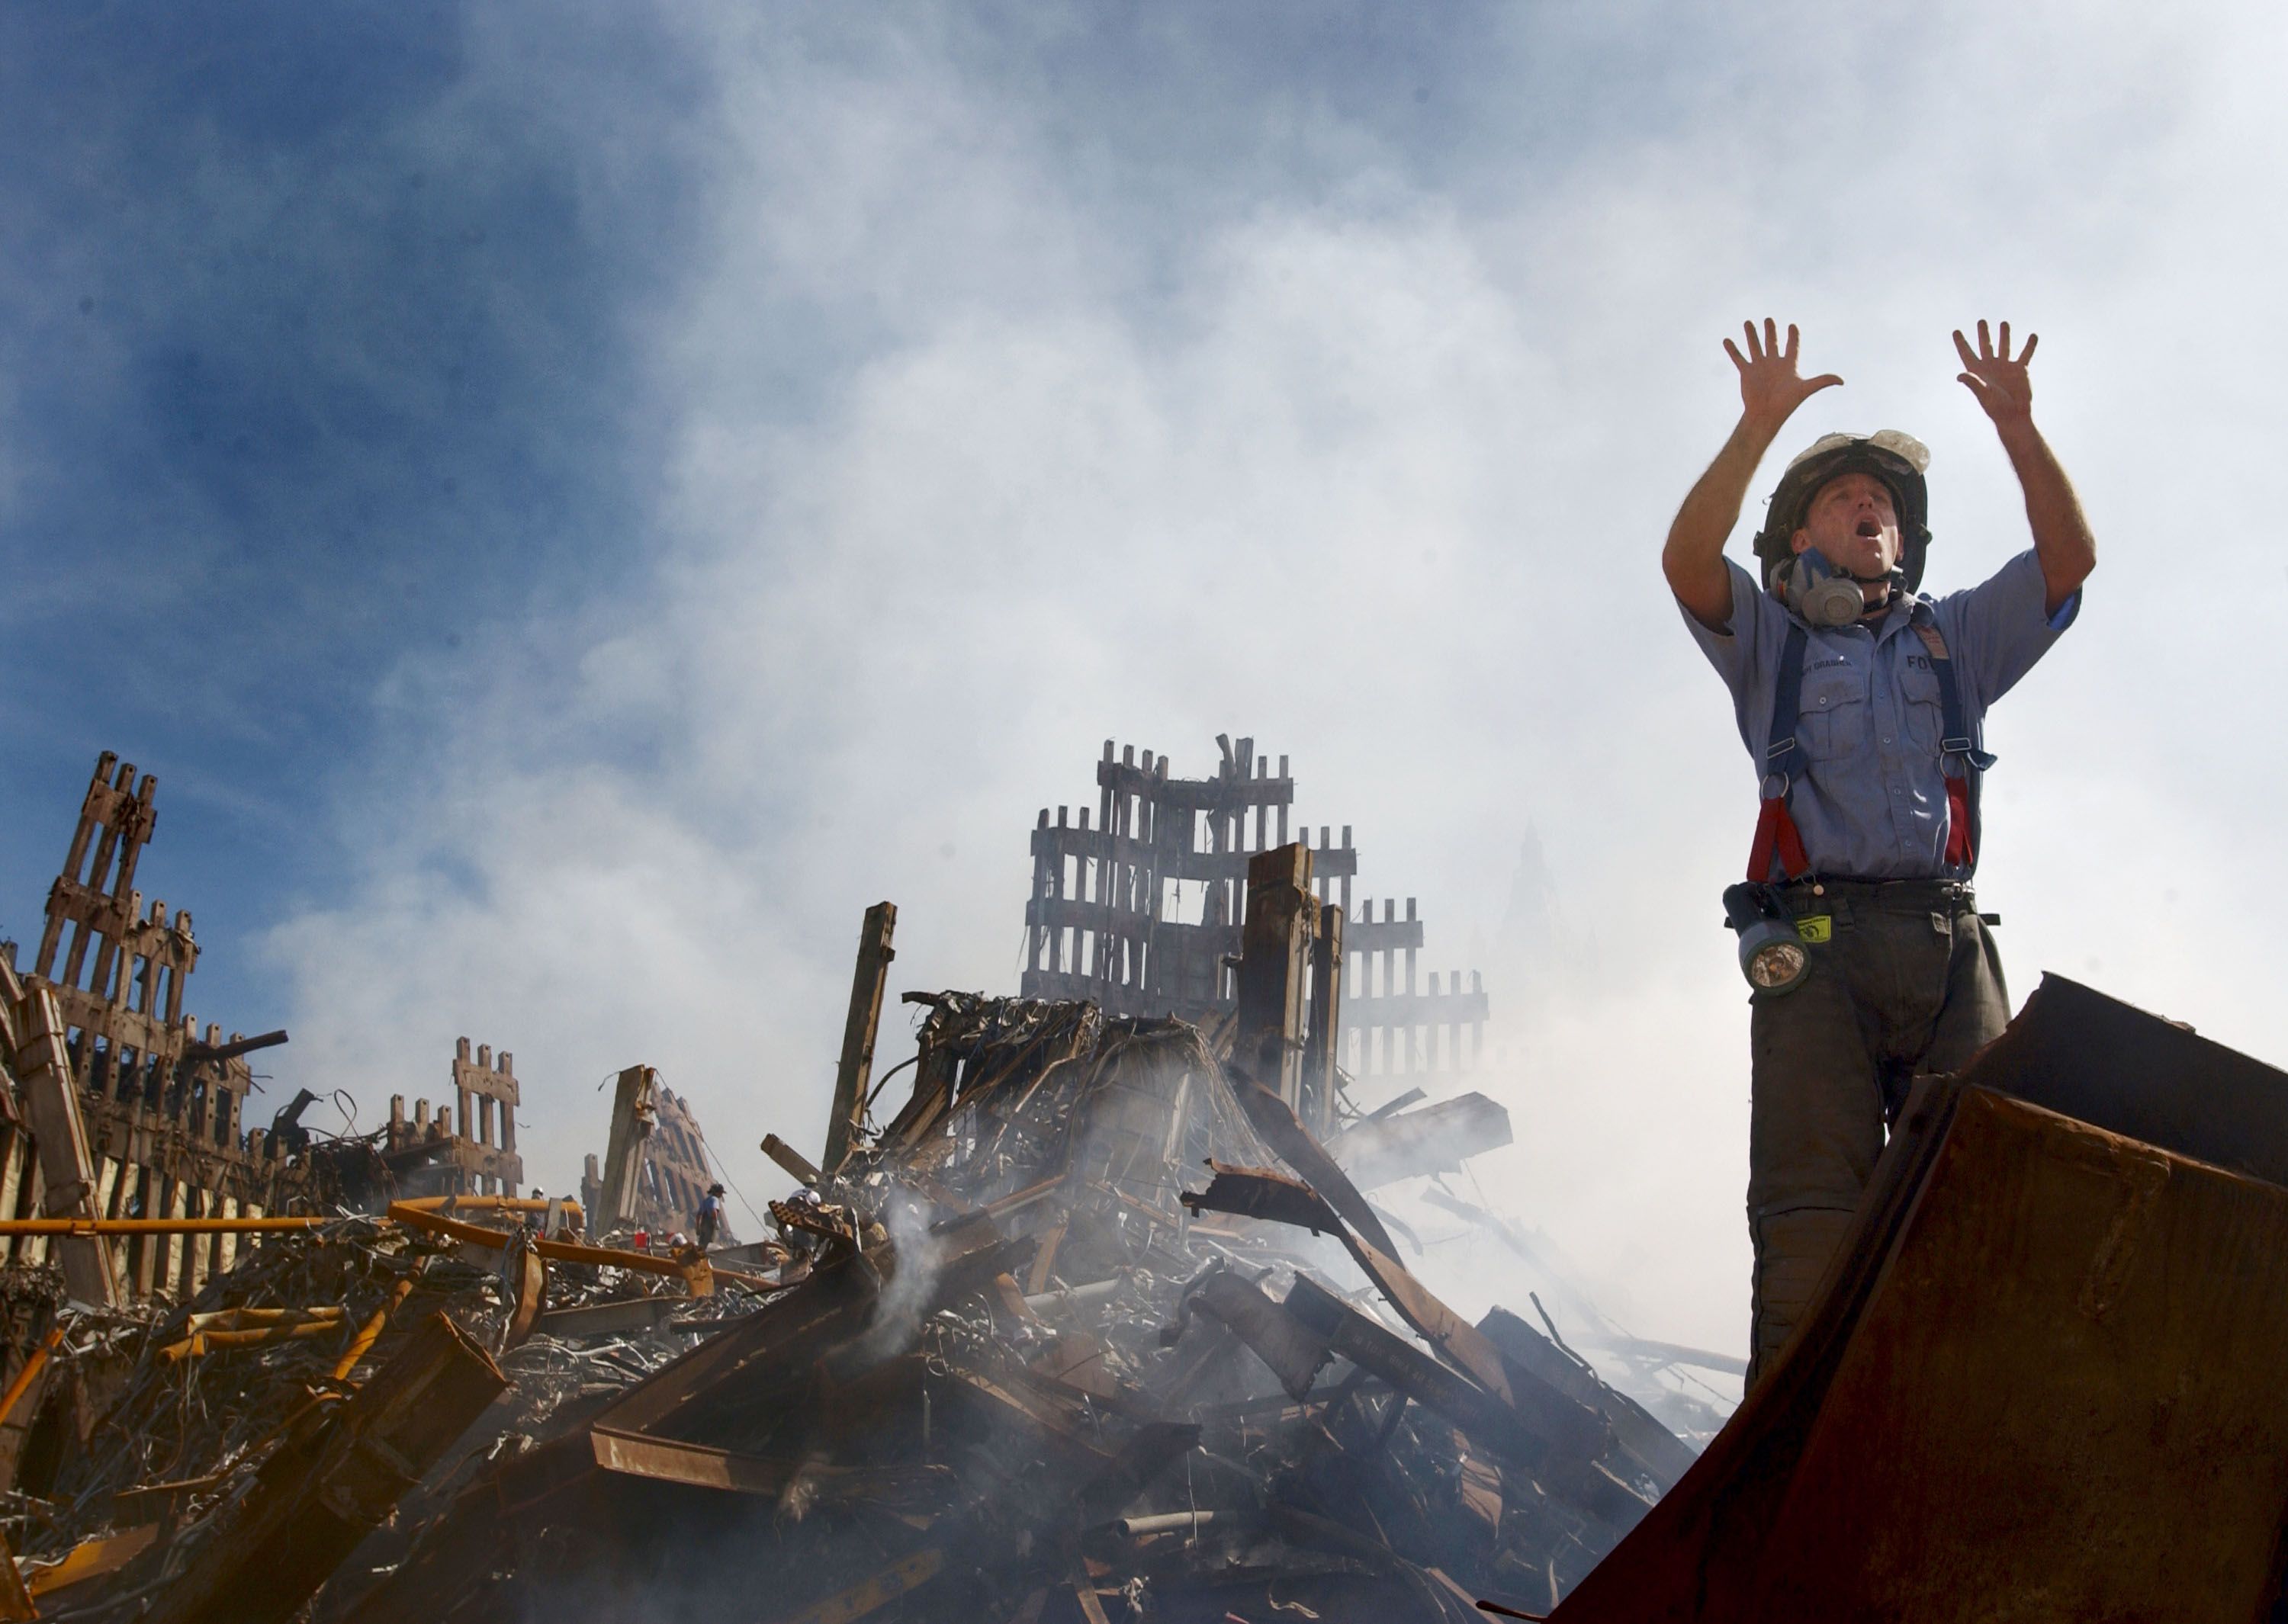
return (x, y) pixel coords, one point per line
(1908, 983)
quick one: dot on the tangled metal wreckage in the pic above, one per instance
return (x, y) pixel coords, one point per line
(1097, 1322)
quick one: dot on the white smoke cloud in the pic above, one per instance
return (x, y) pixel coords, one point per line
(1377, 473)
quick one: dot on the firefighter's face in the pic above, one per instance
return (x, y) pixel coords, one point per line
(1854, 522)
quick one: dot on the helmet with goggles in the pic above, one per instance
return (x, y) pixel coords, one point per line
(1897, 459)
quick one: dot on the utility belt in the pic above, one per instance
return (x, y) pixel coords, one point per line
(1776, 921)
(1816, 893)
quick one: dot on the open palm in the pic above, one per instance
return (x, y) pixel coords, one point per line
(2003, 386)
(1770, 389)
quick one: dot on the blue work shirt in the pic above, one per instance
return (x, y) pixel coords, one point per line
(1872, 803)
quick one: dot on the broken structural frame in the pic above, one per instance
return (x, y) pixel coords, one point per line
(1102, 924)
(160, 1108)
(654, 1167)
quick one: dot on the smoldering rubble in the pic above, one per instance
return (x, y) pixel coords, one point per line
(1069, 1335)
(1097, 1316)
(1091, 1320)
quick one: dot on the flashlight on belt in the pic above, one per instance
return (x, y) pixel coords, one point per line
(1772, 956)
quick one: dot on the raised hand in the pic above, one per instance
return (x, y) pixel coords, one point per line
(2001, 385)
(1769, 389)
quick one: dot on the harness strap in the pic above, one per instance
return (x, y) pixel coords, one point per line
(1965, 762)
(1779, 841)
(1777, 836)
(1784, 756)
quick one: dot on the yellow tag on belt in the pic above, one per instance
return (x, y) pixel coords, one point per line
(1815, 927)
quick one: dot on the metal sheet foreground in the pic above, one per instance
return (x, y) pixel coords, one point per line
(2043, 1381)
(337, 1477)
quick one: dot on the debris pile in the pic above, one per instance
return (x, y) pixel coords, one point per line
(1100, 1323)
(261, 1374)
(1093, 1323)
(1091, 1327)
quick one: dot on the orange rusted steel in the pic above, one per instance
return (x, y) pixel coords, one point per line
(251, 1328)
(33, 1363)
(2041, 1380)
(91, 1559)
(154, 1226)
(15, 1600)
(489, 1203)
(371, 1332)
(561, 1251)
(575, 1252)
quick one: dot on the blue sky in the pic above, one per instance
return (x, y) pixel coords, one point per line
(315, 357)
(576, 502)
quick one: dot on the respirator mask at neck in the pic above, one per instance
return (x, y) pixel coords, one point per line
(1827, 597)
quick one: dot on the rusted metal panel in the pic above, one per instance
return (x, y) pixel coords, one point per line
(1292, 1354)
(15, 1596)
(88, 1560)
(332, 1480)
(2100, 1061)
(2042, 1383)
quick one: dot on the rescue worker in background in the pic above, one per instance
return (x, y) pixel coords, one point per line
(708, 1218)
(1861, 704)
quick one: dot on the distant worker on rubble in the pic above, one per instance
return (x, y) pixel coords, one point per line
(708, 1218)
(1861, 704)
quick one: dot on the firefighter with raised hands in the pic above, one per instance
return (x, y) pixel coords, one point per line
(1862, 703)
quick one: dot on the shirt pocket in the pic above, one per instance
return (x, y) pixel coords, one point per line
(1926, 714)
(1831, 716)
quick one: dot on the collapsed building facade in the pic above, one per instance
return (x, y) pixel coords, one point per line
(1106, 919)
(122, 1112)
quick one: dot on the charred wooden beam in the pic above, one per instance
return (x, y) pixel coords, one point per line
(1434, 1139)
(1324, 1042)
(792, 1160)
(632, 1116)
(1275, 949)
(66, 1167)
(856, 1066)
(194, 1053)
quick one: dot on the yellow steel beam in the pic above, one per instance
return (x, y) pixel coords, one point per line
(32, 1363)
(371, 1332)
(488, 1203)
(573, 1251)
(152, 1226)
(91, 1558)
